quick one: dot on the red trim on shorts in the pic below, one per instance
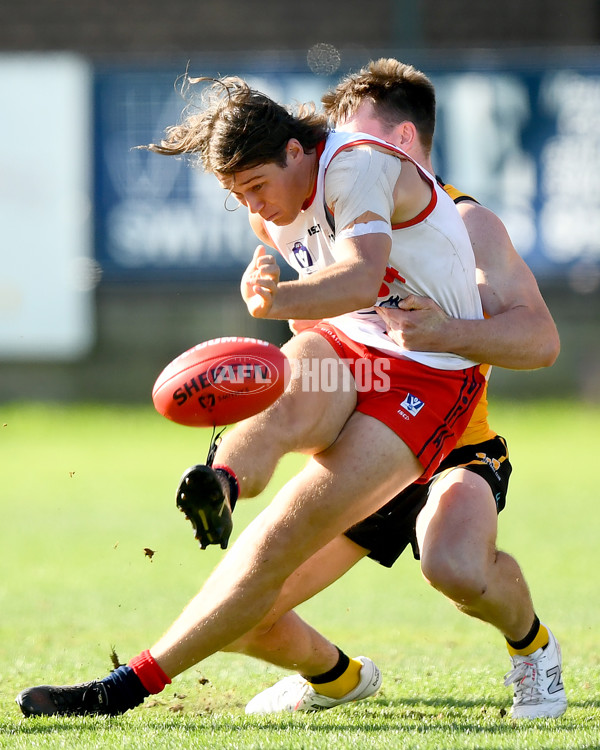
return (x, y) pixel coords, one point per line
(427, 408)
(458, 416)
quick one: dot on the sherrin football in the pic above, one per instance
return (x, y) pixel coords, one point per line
(220, 382)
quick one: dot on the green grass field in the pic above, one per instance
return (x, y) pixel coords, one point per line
(86, 489)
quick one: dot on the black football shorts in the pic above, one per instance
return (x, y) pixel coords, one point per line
(387, 532)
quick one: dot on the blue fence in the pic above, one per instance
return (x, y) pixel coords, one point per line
(524, 141)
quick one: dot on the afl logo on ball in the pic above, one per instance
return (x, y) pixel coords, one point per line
(243, 374)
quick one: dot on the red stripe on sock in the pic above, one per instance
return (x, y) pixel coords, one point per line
(149, 672)
(231, 473)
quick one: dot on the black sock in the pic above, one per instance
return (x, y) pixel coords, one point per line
(124, 689)
(524, 642)
(331, 675)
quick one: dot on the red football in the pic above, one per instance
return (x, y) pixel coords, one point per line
(220, 382)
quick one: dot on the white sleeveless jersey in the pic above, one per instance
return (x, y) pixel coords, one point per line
(431, 256)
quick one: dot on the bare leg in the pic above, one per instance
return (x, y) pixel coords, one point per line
(337, 488)
(290, 643)
(283, 638)
(303, 420)
(457, 532)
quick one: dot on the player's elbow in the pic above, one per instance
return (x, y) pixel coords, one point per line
(367, 289)
(361, 280)
(541, 346)
(537, 356)
(552, 353)
(363, 301)
(550, 349)
(361, 295)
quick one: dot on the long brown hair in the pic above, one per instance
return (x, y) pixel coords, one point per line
(235, 127)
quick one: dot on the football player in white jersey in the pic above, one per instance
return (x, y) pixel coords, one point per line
(368, 675)
(375, 441)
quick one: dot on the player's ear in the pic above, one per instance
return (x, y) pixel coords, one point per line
(405, 134)
(294, 150)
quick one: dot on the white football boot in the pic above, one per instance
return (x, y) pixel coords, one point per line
(539, 689)
(294, 693)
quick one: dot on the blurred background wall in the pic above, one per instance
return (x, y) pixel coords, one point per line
(113, 260)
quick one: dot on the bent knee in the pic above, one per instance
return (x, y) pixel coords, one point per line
(292, 409)
(462, 582)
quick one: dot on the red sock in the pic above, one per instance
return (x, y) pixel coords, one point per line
(149, 673)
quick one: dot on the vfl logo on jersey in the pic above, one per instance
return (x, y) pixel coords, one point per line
(412, 404)
(302, 255)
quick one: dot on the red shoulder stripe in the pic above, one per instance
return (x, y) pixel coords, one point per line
(404, 156)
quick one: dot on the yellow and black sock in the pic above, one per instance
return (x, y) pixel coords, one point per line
(338, 681)
(536, 638)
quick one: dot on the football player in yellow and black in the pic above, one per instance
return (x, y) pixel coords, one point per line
(451, 522)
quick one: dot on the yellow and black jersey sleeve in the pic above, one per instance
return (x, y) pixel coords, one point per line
(478, 429)
(456, 194)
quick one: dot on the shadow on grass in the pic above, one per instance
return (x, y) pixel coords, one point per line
(445, 716)
(446, 702)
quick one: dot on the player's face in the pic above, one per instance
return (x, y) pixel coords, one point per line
(275, 193)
